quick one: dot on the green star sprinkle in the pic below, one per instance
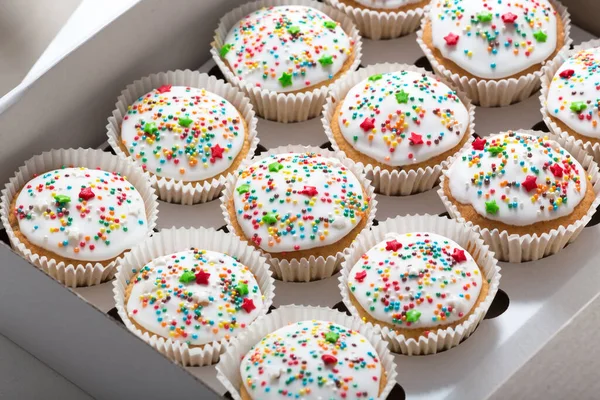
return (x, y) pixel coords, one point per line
(275, 167)
(491, 207)
(329, 24)
(578, 106)
(285, 79)
(62, 199)
(243, 188)
(540, 36)
(269, 218)
(326, 60)
(225, 49)
(294, 30)
(150, 127)
(374, 78)
(185, 121)
(413, 315)
(402, 97)
(495, 150)
(187, 277)
(484, 17)
(332, 337)
(242, 289)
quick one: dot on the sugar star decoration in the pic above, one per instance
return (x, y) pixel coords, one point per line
(416, 139)
(540, 36)
(529, 183)
(164, 89)
(285, 79)
(393, 245)
(187, 277)
(402, 97)
(509, 18)
(243, 188)
(328, 359)
(491, 207)
(495, 150)
(275, 167)
(269, 218)
(216, 151)
(375, 77)
(360, 276)
(451, 39)
(332, 337)
(484, 17)
(368, 124)
(150, 128)
(329, 24)
(225, 49)
(248, 305)
(62, 199)
(459, 255)
(309, 191)
(578, 106)
(185, 121)
(413, 315)
(202, 278)
(556, 170)
(479, 144)
(294, 30)
(242, 289)
(86, 194)
(326, 60)
(567, 73)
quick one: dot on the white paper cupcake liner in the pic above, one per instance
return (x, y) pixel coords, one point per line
(519, 248)
(173, 240)
(84, 273)
(501, 92)
(461, 233)
(172, 190)
(394, 183)
(269, 104)
(381, 24)
(313, 268)
(556, 131)
(228, 369)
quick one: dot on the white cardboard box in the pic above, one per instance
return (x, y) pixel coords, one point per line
(71, 332)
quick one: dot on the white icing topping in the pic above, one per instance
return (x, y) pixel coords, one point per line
(402, 118)
(574, 96)
(312, 360)
(97, 227)
(517, 179)
(416, 280)
(195, 296)
(495, 39)
(386, 4)
(183, 133)
(286, 48)
(298, 201)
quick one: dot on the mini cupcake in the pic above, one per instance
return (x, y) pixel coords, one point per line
(187, 129)
(569, 100)
(302, 206)
(494, 51)
(308, 352)
(75, 213)
(187, 292)
(426, 290)
(383, 19)
(527, 195)
(285, 54)
(400, 122)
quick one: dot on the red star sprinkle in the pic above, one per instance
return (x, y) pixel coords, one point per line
(86, 194)
(164, 89)
(415, 138)
(459, 255)
(202, 278)
(248, 305)
(309, 191)
(509, 18)
(328, 359)
(529, 183)
(479, 144)
(451, 39)
(368, 124)
(217, 151)
(393, 245)
(557, 171)
(360, 276)
(567, 73)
